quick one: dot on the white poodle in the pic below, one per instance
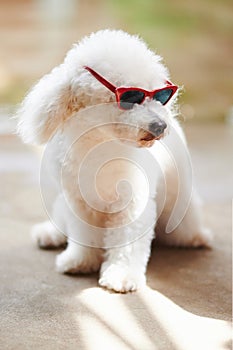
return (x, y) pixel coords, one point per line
(118, 156)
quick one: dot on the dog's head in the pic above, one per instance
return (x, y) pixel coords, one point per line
(142, 108)
(111, 68)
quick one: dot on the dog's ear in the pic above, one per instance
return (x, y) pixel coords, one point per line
(47, 106)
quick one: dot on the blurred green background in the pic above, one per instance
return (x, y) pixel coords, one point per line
(194, 38)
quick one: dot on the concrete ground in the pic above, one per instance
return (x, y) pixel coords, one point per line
(186, 306)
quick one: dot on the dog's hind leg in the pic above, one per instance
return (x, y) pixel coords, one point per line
(180, 222)
(190, 232)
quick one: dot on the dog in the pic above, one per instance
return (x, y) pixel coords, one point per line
(108, 117)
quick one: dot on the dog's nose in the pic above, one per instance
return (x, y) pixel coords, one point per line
(157, 128)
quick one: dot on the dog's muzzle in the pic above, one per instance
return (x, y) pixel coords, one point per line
(155, 132)
(157, 128)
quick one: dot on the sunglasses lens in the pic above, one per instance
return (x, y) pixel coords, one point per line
(163, 96)
(130, 97)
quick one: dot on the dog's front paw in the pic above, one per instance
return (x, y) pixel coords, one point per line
(121, 279)
(45, 235)
(78, 261)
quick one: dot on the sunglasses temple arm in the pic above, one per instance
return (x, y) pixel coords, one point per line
(168, 82)
(101, 79)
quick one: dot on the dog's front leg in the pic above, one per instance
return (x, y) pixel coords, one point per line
(78, 259)
(124, 268)
(126, 259)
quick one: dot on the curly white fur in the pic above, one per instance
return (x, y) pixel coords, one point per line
(118, 238)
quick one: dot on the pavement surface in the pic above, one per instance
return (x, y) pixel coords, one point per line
(186, 305)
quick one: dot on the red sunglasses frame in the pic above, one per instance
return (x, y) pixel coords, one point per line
(119, 91)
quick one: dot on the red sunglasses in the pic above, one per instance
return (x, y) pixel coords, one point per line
(126, 97)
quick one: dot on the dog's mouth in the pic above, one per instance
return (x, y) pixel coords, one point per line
(147, 139)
